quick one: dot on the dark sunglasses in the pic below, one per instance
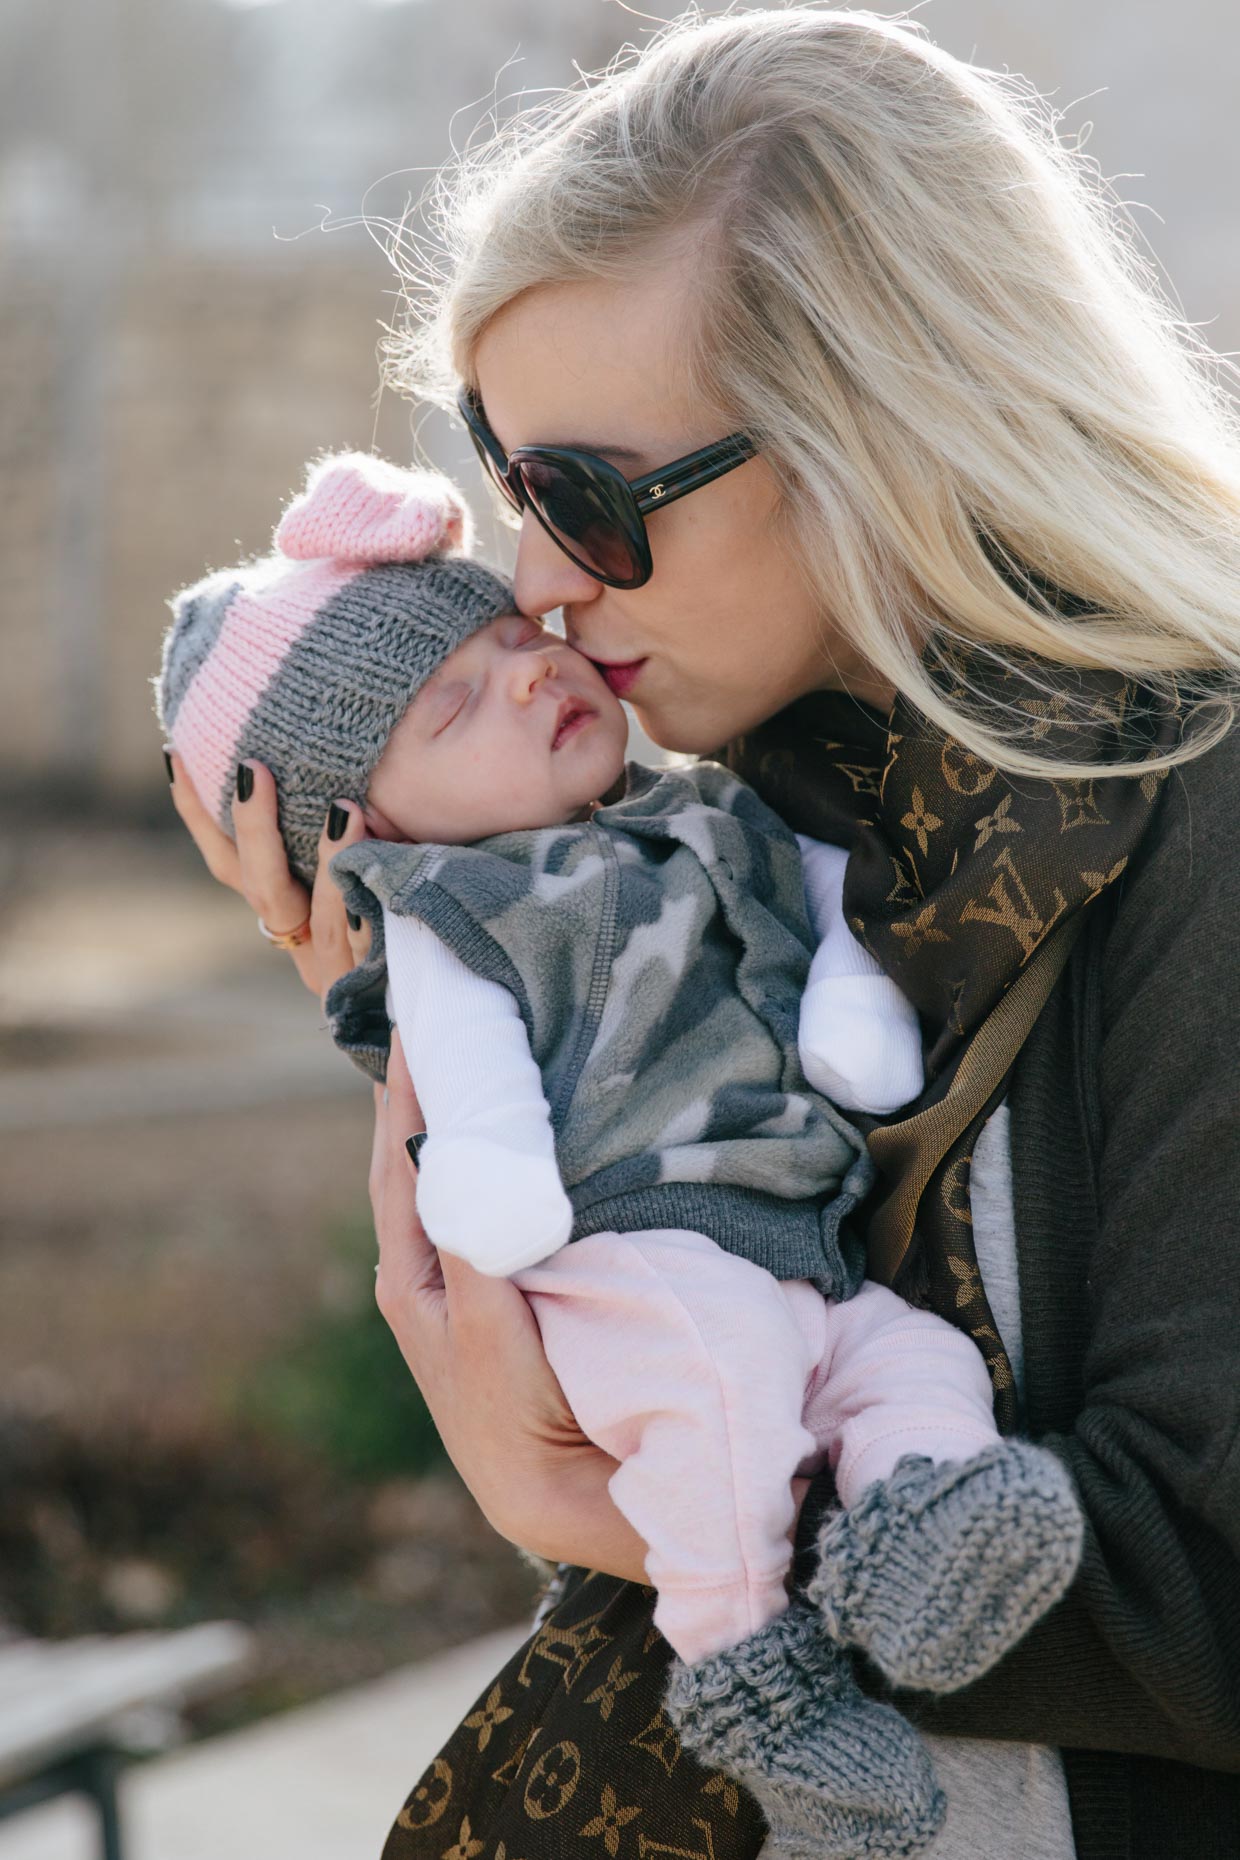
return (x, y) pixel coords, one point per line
(589, 508)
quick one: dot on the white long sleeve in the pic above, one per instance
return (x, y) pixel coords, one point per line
(488, 1185)
(860, 1040)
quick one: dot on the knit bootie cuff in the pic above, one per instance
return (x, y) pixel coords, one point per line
(838, 1776)
(937, 1571)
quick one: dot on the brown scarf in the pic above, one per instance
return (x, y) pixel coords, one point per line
(969, 888)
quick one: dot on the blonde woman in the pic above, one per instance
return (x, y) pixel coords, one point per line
(956, 584)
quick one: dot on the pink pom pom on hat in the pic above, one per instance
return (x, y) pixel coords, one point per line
(359, 508)
(307, 659)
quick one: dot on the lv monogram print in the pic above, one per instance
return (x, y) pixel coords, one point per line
(570, 1753)
(958, 877)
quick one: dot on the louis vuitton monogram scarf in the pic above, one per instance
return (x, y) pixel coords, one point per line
(969, 887)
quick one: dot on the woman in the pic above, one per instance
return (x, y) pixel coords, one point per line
(972, 590)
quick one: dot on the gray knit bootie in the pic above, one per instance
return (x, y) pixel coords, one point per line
(838, 1776)
(937, 1571)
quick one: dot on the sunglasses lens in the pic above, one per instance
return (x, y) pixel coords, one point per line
(588, 515)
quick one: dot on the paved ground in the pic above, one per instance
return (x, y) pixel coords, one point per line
(323, 1783)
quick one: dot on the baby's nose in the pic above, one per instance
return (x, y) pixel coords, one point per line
(531, 669)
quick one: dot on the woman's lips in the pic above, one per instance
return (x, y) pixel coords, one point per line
(621, 678)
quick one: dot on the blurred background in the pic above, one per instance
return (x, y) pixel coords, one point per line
(200, 1411)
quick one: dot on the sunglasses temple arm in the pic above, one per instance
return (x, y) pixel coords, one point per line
(652, 493)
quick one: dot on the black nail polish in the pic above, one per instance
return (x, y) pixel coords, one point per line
(355, 922)
(337, 821)
(169, 767)
(245, 782)
(414, 1146)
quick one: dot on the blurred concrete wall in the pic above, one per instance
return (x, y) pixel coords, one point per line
(171, 350)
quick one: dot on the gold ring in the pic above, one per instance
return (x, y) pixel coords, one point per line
(286, 939)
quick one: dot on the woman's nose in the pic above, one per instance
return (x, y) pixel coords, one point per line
(544, 577)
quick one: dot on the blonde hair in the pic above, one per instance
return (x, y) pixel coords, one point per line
(932, 317)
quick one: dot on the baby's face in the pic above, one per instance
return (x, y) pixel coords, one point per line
(515, 729)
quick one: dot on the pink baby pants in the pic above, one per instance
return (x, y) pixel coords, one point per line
(714, 1384)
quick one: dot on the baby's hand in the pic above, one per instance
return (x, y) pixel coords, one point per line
(498, 1209)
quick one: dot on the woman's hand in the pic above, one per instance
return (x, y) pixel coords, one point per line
(474, 1350)
(257, 867)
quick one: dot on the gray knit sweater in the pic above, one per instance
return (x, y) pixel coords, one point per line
(642, 946)
(1126, 1177)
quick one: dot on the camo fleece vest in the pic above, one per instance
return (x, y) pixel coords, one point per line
(658, 953)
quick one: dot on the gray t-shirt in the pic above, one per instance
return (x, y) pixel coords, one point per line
(1007, 1801)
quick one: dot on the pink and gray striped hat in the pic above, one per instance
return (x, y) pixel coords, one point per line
(307, 659)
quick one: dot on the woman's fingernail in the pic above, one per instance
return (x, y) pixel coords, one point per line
(245, 782)
(355, 922)
(337, 821)
(172, 774)
(414, 1146)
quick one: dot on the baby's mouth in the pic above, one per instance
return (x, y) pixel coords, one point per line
(573, 716)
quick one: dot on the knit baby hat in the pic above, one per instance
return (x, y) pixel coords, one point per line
(307, 659)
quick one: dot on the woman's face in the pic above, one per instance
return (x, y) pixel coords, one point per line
(726, 631)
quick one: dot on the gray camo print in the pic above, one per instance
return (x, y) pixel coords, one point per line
(658, 954)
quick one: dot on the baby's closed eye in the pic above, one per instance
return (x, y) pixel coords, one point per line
(447, 703)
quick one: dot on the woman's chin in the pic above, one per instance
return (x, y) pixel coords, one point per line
(680, 736)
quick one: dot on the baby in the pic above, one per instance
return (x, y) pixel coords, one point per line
(631, 1006)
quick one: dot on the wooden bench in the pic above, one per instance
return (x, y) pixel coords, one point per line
(68, 1708)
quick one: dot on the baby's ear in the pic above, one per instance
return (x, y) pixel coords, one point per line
(359, 508)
